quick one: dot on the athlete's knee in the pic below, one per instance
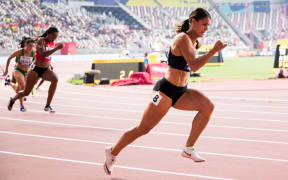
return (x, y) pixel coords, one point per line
(207, 109)
(143, 130)
(55, 80)
(21, 87)
(211, 107)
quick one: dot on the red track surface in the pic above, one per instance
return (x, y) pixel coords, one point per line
(247, 137)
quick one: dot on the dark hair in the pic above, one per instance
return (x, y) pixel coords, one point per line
(197, 14)
(25, 40)
(51, 29)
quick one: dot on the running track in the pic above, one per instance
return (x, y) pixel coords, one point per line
(247, 137)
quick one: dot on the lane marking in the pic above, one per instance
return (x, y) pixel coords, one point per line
(161, 122)
(138, 146)
(152, 132)
(116, 166)
(150, 92)
(137, 104)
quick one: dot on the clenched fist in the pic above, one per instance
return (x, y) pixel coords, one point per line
(60, 46)
(219, 45)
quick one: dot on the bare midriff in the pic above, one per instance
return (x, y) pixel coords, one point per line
(177, 77)
(42, 64)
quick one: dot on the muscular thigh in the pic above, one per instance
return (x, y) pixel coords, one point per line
(20, 79)
(18, 76)
(31, 79)
(192, 100)
(49, 75)
(156, 109)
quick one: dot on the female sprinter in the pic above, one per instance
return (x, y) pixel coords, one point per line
(24, 58)
(44, 48)
(172, 90)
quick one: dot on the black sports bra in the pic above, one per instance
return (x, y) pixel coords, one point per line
(179, 62)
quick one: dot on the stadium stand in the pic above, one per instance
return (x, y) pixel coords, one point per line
(265, 21)
(107, 24)
(181, 3)
(149, 3)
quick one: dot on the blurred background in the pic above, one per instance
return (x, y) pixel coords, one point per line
(136, 27)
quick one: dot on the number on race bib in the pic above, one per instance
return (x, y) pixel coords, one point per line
(25, 61)
(156, 98)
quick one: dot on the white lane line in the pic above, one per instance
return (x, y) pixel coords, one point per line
(116, 166)
(171, 113)
(152, 132)
(249, 105)
(141, 110)
(184, 113)
(147, 100)
(83, 100)
(117, 89)
(127, 96)
(253, 112)
(162, 122)
(249, 119)
(178, 114)
(138, 88)
(212, 97)
(141, 147)
(150, 92)
(249, 99)
(247, 128)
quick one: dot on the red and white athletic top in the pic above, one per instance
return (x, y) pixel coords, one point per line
(48, 46)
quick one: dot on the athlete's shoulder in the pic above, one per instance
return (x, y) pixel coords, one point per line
(18, 52)
(40, 43)
(182, 35)
(182, 39)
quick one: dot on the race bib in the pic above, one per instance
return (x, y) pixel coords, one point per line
(156, 98)
(25, 60)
